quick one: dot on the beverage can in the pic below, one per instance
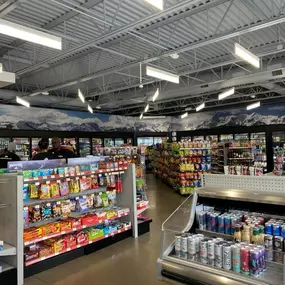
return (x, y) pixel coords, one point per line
(254, 262)
(227, 257)
(278, 249)
(209, 221)
(276, 229)
(202, 220)
(234, 222)
(221, 224)
(268, 228)
(268, 244)
(211, 249)
(204, 249)
(227, 223)
(262, 265)
(219, 254)
(184, 243)
(283, 230)
(236, 258)
(198, 238)
(192, 245)
(214, 222)
(244, 255)
(177, 244)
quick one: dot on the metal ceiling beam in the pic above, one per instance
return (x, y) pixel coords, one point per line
(9, 6)
(54, 23)
(169, 15)
(218, 38)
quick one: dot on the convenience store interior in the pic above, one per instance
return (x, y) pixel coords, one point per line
(171, 156)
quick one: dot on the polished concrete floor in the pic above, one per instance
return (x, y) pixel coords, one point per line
(129, 262)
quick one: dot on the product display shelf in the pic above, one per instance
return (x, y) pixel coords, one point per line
(78, 228)
(181, 261)
(122, 216)
(84, 173)
(181, 165)
(218, 157)
(78, 246)
(11, 229)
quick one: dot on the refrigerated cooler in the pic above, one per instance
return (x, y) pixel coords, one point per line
(4, 143)
(22, 147)
(109, 142)
(84, 147)
(199, 245)
(70, 143)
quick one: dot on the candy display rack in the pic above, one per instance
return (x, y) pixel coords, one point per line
(202, 235)
(74, 209)
(11, 230)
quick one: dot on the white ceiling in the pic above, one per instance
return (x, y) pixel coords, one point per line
(104, 42)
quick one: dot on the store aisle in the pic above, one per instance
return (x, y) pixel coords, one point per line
(127, 262)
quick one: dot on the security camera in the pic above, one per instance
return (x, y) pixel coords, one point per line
(141, 86)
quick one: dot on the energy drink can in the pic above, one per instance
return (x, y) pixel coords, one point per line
(209, 221)
(283, 231)
(184, 244)
(204, 251)
(202, 220)
(254, 262)
(219, 254)
(234, 221)
(227, 222)
(227, 257)
(244, 254)
(178, 244)
(236, 258)
(268, 244)
(191, 245)
(278, 249)
(262, 265)
(214, 222)
(221, 224)
(276, 229)
(268, 228)
(198, 238)
(211, 250)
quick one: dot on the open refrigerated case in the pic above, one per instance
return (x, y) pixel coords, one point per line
(200, 245)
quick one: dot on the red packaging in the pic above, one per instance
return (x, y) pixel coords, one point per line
(76, 223)
(89, 220)
(244, 255)
(70, 241)
(81, 238)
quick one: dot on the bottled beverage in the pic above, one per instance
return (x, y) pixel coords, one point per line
(246, 234)
(261, 235)
(237, 234)
(255, 236)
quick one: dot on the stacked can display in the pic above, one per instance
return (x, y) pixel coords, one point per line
(244, 258)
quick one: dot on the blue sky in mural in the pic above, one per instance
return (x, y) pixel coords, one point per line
(86, 115)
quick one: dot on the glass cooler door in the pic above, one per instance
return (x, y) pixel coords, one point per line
(84, 147)
(22, 147)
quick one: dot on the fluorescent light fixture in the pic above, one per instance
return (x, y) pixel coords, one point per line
(146, 108)
(154, 117)
(28, 34)
(141, 116)
(156, 94)
(90, 109)
(1, 67)
(227, 93)
(81, 96)
(156, 3)
(98, 107)
(200, 107)
(161, 74)
(184, 115)
(253, 106)
(246, 55)
(22, 102)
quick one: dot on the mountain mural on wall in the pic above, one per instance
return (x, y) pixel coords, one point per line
(21, 118)
(265, 115)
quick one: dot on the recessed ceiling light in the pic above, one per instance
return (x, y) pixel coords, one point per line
(98, 107)
(45, 93)
(90, 100)
(175, 55)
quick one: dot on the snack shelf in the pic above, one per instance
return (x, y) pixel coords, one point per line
(74, 229)
(142, 210)
(241, 158)
(72, 215)
(69, 196)
(5, 267)
(189, 148)
(8, 250)
(85, 173)
(77, 246)
(240, 147)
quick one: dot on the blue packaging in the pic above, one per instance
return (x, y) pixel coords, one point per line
(214, 222)
(221, 224)
(25, 192)
(283, 230)
(276, 229)
(227, 222)
(269, 228)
